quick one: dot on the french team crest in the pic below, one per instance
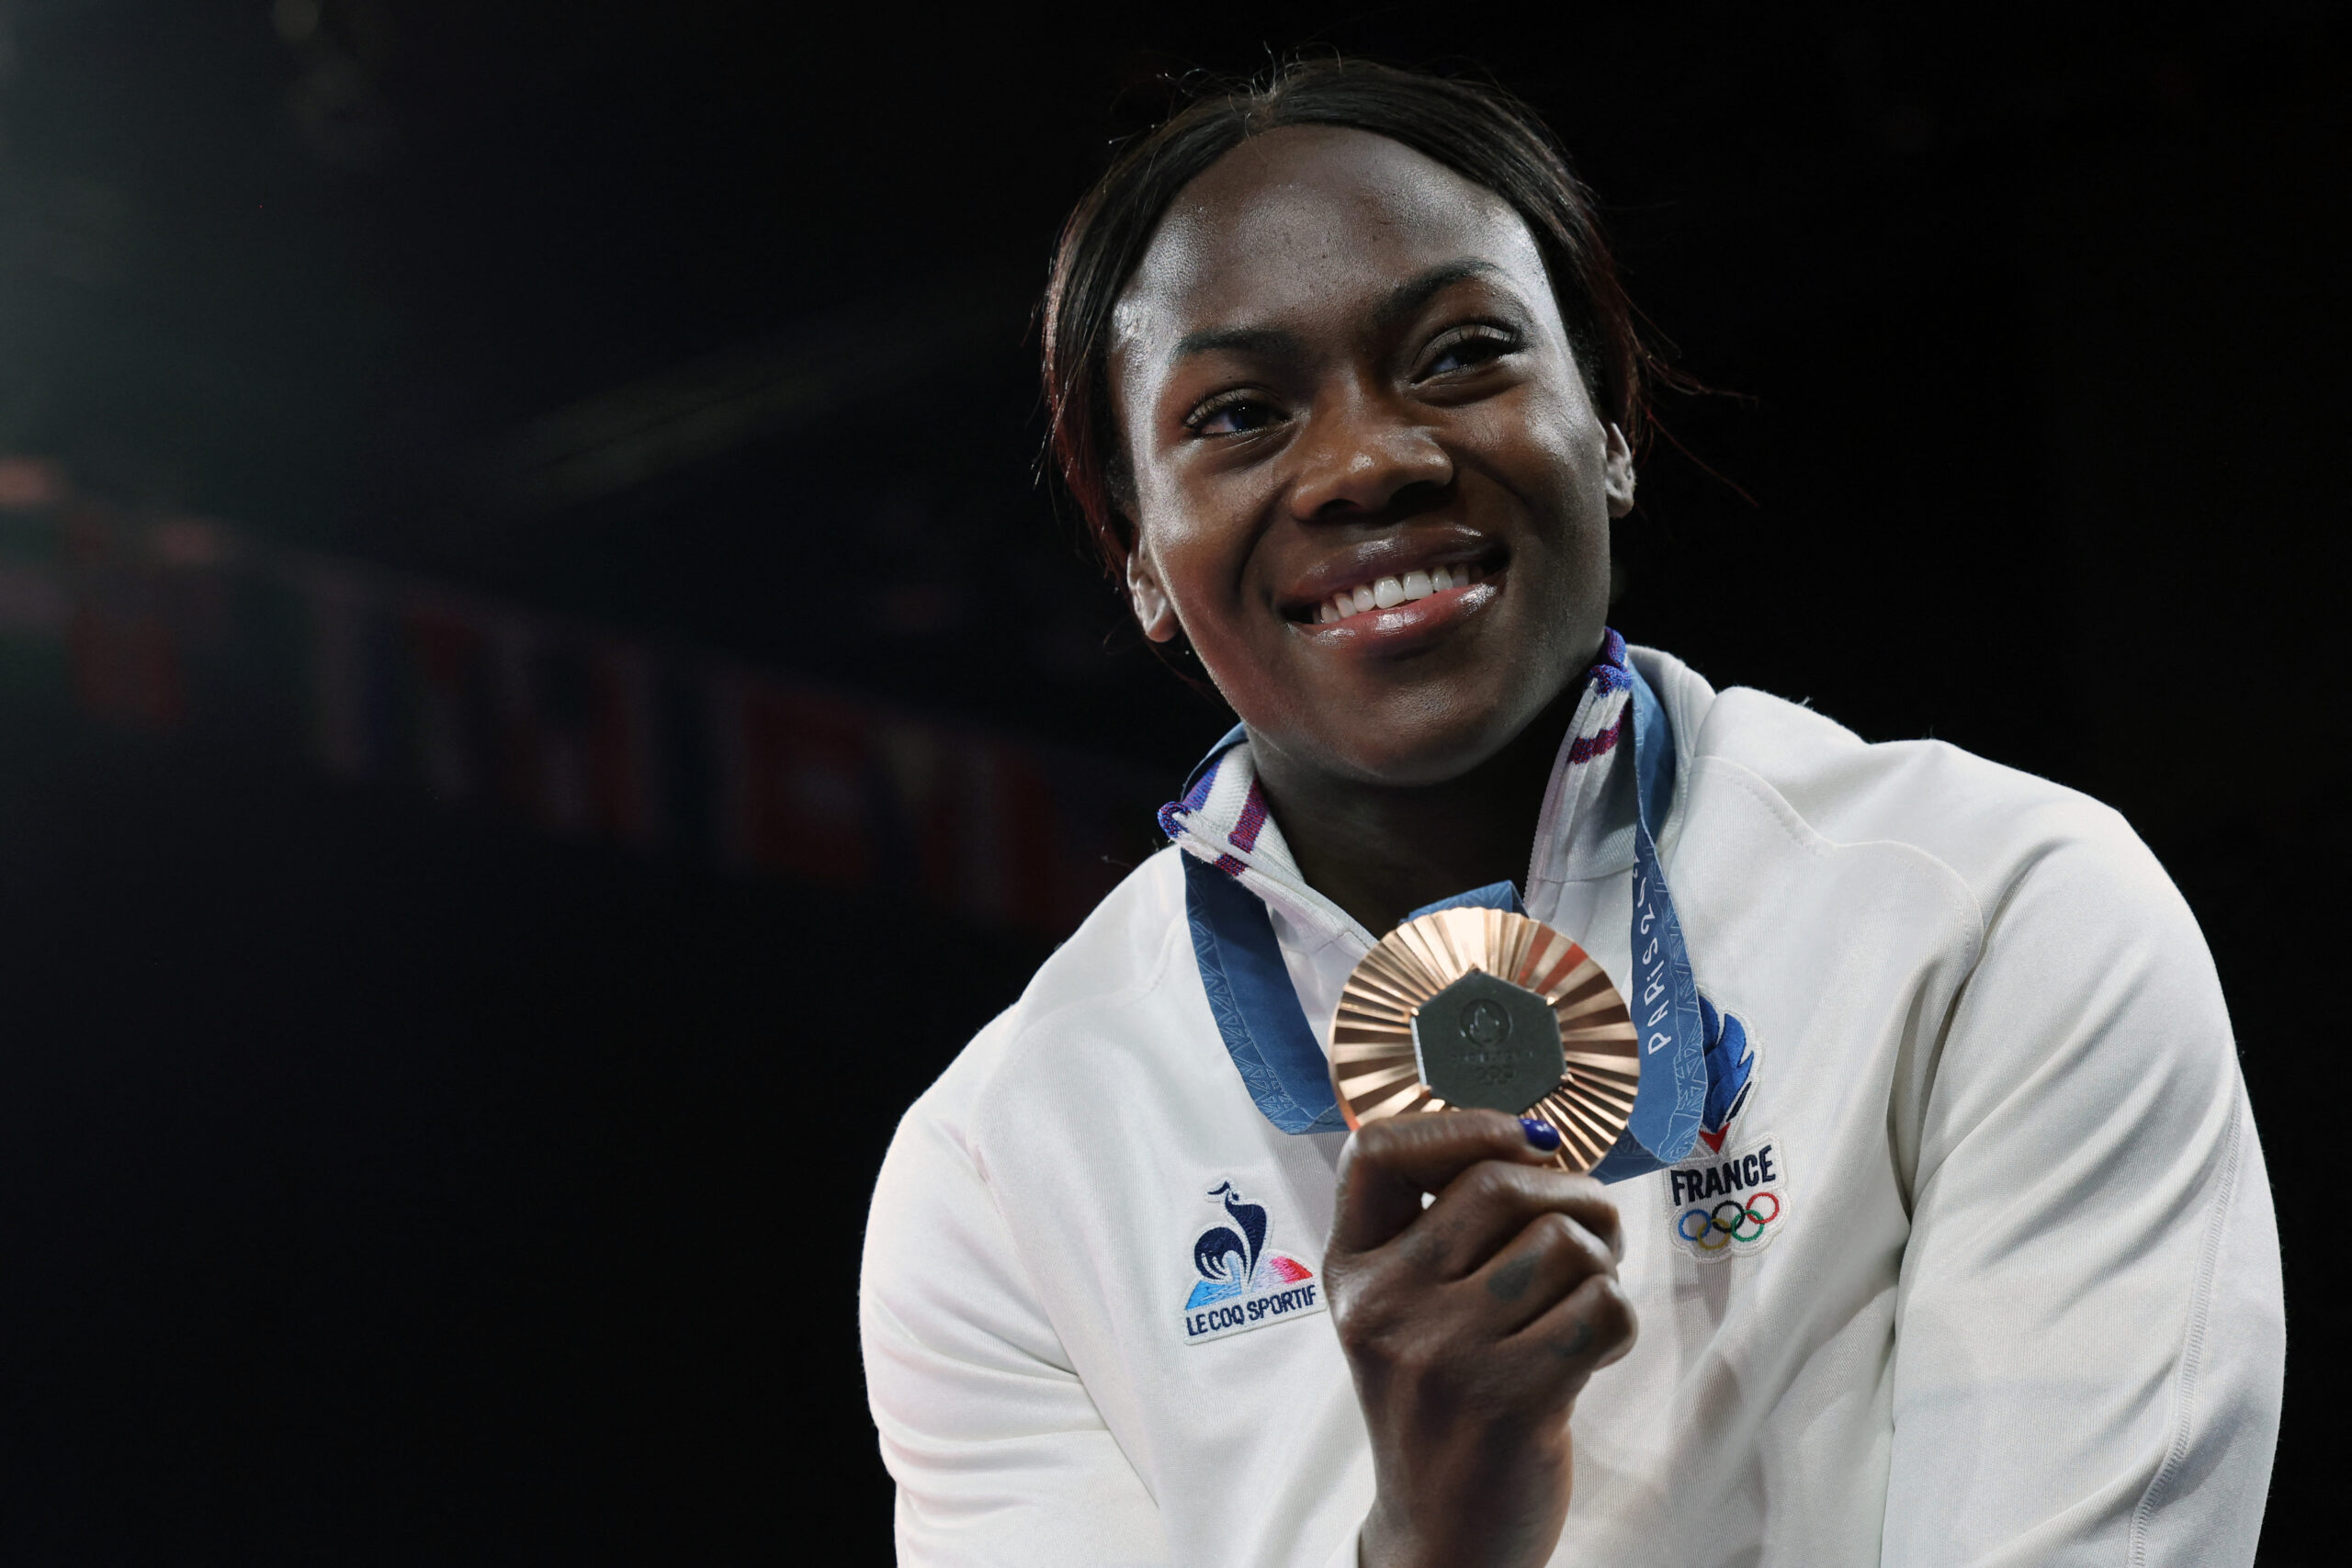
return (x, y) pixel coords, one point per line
(1730, 1197)
(1244, 1283)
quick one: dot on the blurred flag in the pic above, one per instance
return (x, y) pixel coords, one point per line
(570, 728)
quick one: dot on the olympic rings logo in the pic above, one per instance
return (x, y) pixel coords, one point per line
(1742, 1223)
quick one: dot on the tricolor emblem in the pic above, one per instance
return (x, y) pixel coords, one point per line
(1244, 1283)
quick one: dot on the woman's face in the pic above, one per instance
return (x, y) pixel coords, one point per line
(1369, 484)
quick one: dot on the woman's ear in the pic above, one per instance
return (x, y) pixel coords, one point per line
(1153, 612)
(1619, 474)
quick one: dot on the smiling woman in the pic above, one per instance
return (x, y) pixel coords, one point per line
(1343, 382)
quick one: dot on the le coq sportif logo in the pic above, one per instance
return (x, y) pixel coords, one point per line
(1243, 1283)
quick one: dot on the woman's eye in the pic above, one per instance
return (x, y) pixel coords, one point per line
(1466, 351)
(1234, 416)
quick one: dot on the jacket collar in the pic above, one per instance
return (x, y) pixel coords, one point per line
(1585, 829)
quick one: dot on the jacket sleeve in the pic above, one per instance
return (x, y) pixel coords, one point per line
(2089, 1329)
(999, 1453)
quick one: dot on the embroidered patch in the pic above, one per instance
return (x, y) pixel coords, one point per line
(1728, 1205)
(1244, 1283)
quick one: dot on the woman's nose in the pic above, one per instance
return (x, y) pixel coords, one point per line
(1357, 457)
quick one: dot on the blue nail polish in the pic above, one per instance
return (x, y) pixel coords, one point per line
(1543, 1134)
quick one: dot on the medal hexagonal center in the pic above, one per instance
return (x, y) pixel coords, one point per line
(1486, 1042)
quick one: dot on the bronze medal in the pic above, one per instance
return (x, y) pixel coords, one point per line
(1482, 1008)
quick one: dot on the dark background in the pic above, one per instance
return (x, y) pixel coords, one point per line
(386, 1183)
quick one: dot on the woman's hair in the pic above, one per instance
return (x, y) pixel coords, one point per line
(1479, 131)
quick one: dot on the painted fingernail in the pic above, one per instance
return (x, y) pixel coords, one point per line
(1540, 1133)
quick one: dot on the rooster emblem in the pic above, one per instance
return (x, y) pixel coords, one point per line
(1233, 1258)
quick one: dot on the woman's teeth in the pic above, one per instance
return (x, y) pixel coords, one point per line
(1390, 592)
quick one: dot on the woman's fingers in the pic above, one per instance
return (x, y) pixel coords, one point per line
(1507, 1237)
(1584, 1331)
(1388, 1166)
(1544, 1264)
(1486, 1205)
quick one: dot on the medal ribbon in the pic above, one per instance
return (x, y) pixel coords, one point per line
(1282, 1064)
(1664, 999)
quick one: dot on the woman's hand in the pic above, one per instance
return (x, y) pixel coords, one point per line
(1470, 1327)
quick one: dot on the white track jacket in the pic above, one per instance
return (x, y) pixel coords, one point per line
(1983, 1271)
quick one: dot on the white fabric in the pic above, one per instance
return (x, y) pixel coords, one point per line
(2023, 1305)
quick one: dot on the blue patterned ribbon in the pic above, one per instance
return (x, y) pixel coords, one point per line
(1665, 1000)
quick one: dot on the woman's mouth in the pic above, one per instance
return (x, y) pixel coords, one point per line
(1388, 592)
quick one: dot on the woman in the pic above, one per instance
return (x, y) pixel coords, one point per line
(1964, 1252)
